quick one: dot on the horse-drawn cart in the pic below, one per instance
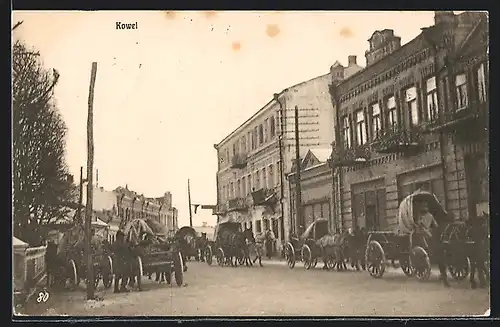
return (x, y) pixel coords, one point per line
(414, 257)
(71, 254)
(306, 245)
(222, 246)
(153, 253)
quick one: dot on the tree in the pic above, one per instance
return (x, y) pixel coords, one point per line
(41, 186)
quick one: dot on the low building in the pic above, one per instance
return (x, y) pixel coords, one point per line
(205, 228)
(401, 121)
(316, 187)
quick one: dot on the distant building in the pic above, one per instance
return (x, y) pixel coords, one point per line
(205, 228)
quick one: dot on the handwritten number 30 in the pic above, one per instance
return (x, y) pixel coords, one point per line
(43, 297)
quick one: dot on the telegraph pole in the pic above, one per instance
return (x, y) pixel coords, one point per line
(90, 164)
(190, 210)
(80, 199)
(298, 191)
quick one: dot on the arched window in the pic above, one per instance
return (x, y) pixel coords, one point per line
(261, 134)
(272, 127)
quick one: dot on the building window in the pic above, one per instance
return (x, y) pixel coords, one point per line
(376, 121)
(392, 114)
(243, 144)
(243, 187)
(432, 99)
(238, 189)
(261, 134)
(481, 83)
(273, 127)
(257, 180)
(249, 181)
(234, 149)
(360, 127)
(250, 141)
(271, 176)
(255, 133)
(266, 124)
(346, 132)
(227, 156)
(258, 226)
(264, 178)
(231, 191)
(411, 105)
(461, 90)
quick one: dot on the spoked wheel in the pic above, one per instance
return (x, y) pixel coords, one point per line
(460, 269)
(107, 274)
(220, 257)
(406, 267)
(375, 259)
(315, 262)
(290, 255)
(420, 263)
(307, 256)
(208, 255)
(178, 269)
(72, 275)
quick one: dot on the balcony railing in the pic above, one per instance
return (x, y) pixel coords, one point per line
(345, 157)
(237, 204)
(264, 196)
(467, 121)
(239, 161)
(399, 140)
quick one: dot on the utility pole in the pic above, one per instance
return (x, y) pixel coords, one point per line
(281, 165)
(90, 164)
(190, 210)
(298, 198)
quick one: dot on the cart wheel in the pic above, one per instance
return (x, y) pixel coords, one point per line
(307, 256)
(290, 255)
(220, 257)
(72, 275)
(208, 255)
(315, 262)
(139, 272)
(420, 263)
(107, 275)
(406, 267)
(178, 269)
(375, 259)
(460, 269)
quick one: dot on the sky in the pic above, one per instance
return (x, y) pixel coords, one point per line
(169, 90)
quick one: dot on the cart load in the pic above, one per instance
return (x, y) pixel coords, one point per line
(153, 253)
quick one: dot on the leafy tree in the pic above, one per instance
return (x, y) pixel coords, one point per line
(41, 186)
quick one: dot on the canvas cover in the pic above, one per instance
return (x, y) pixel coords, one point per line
(406, 214)
(308, 233)
(134, 229)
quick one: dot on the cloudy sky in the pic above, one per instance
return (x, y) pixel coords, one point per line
(168, 91)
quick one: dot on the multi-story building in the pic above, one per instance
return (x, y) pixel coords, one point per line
(400, 123)
(254, 158)
(316, 187)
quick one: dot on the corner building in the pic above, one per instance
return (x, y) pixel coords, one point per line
(415, 117)
(254, 159)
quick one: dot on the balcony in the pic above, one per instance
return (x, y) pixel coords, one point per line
(399, 140)
(343, 157)
(239, 161)
(220, 209)
(237, 204)
(464, 122)
(264, 196)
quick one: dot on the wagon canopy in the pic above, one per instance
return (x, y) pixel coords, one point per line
(406, 212)
(73, 239)
(226, 226)
(310, 229)
(186, 230)
(134, 230)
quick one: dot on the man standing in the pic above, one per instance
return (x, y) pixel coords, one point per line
(121, 257)
(269, 240)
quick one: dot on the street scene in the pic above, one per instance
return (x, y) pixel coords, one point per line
(180, 164)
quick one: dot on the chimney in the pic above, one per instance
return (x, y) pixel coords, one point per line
(352, 60)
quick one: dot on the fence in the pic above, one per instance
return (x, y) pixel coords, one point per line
(29, 271)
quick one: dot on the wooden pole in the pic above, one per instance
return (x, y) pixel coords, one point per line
(90, 164)
(298, 191)
(80, 199)
(190, 210)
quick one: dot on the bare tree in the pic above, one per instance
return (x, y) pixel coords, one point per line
(40, 174)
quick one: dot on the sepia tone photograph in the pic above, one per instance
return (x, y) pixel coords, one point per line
(250, 163)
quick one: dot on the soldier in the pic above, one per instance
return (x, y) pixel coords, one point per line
(121, 254)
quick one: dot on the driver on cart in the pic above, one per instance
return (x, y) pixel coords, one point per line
(424, 223)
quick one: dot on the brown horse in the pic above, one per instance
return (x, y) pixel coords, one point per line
(477, 241)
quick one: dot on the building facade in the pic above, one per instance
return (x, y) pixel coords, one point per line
(400, 123)
(254, 159)
(316, 188)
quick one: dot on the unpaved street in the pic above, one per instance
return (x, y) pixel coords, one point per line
(278, 290)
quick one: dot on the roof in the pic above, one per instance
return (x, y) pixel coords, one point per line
(323, 154)
(336, 64)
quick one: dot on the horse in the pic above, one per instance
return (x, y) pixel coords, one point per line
(233, 244)
(477, 247)
(355, 247)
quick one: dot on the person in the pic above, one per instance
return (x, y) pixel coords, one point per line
(424, 223)
(51, 262)
(120, 251)
(269, 243)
